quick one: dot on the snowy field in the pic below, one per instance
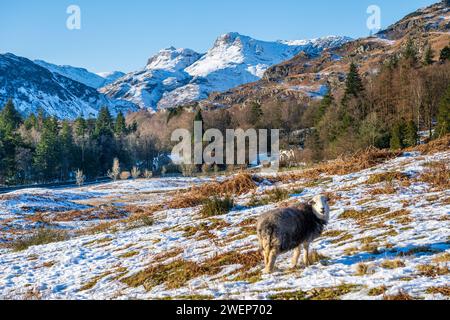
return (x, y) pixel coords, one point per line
(389, 236)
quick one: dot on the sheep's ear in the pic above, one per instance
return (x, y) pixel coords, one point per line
(311, 202)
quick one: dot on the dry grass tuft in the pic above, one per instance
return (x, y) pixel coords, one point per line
(438, 175)
(344, 165)
(179, 272)
(41, 237)
(237, 185)
(442, 258)
(216, 206)
(388, 188)
(240, 184)
(445, 291)
(435, 146)
(393, 264)
(387, 177)
(431, 271)
(400, 296)
(378, 291)
(332, 293)
(363, 269)
(365, 214)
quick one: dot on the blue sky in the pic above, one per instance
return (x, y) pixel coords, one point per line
(122, 35)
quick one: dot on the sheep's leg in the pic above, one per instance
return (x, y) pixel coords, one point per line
(306, 259)
(272, 259)
(266, 252)
(297, 253)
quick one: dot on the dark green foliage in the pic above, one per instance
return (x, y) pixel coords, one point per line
(443, 118)
(445, 54)
(44, 149)
(10, 118)
(10, 140)
(428, 56)
(397, 135)
(104, 124)
(217, 206)
(255, 114)
(410, 52)
(353, 86)
(120, 127)
(404, 134)
(411, 136)
(48, 151)
(326, 103)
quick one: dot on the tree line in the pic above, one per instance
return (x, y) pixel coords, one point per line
(42, 149)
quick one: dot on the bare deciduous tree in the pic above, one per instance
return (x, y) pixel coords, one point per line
(114, 173)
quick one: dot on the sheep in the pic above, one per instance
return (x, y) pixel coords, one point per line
(283, 230)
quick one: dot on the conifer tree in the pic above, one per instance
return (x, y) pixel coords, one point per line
(410, 52)
(120, 126)
(47, 155)
(445, 54)
(10, 120)
(104, 140)
(443, 117)
(256, 113)
(353, 86)
(428, 56)
(411, 136)
(325, 104)
(104, 123)
(66, 149)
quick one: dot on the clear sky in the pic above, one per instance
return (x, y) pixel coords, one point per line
(122, 35)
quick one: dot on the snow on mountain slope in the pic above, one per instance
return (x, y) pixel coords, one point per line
(82, 75)
(179, 76)
(110, 77)
(164, 72)
(32, 87)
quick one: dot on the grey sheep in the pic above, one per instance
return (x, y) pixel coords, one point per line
(283, 230)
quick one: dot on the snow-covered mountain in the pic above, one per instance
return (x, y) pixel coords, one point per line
(179, 76)
(82, 75)
(32, 87)
(164, 73)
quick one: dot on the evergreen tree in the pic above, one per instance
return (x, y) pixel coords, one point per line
(31, 122)
(104, 123)
(198, 116)
(10, 140)
(445, 54)
(67, 150)
(353, 86)
(256, 113)
(47, 155)
(411, 137)
(10, 118)
(120, 127)
(428, 56)
(325, 104)
(410, 52)
(396, 137)
(105, 146)
(443, 118)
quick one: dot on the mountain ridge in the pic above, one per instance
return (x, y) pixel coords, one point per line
(233, 60)
(32, 87)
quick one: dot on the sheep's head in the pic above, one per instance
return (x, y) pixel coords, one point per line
(321, 207)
